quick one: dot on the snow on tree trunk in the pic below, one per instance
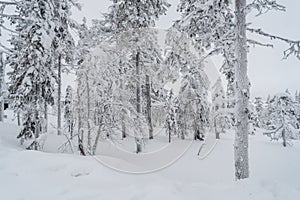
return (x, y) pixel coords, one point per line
(283, 136)
(242, 95)
(59, 96)
(36, 117)
(149, 114)
(138, 99)
(1, 87)
(216, 128)
(45, 116)
(19, 118)
(97, 138)
(89, 139)
(80, 134)
(123, 128)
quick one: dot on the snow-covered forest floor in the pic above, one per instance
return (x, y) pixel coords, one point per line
(43, 175)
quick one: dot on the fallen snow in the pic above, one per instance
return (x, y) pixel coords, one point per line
(33, 175)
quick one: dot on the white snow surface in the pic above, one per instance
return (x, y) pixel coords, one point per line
(34, 175)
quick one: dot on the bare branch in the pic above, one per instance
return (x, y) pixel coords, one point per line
(264, 6)
(254, 42)
(8, 3)
(7, 50)
(8, 29)
(294, 46)
(10, 16)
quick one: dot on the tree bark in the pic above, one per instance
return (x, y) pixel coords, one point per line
(149, 113)
(59, 96)
(242, 94)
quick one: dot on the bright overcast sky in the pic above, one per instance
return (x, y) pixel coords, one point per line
(268, 73)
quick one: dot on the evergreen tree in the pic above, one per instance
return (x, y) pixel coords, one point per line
(283, 118)
(131, 19)
(171, 119)
(62, 44)
(68, 111)
(218, 108)
(210, 24)
(32, 78)
(258, 112)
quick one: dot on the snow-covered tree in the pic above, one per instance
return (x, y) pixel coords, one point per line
(258, 113)
(210, 24)
(218, 112)
(32, 78)
(184, 66)
(68, 111)
(62, 44)
(131, 19)
(171, 119)
(282, 117)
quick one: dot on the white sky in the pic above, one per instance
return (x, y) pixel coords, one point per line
(268, 73)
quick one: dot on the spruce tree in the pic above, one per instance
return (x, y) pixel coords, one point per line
(32, 77)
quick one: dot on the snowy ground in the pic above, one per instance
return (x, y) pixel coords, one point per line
(33, 175)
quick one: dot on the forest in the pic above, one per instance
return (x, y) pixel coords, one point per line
(119, 87)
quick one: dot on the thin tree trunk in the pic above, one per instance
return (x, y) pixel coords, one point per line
(89, 139)
(46, 116)
(123, 128)
(1, 87)
(97, 138)
(169, 129)
(216, 128)
(123, 117)
(138, 85)
(80, 134)
(149, 112)
(283, 136)
(19, 118)
(59, 96)
(138, 97)
(242, 95)
(36, 117)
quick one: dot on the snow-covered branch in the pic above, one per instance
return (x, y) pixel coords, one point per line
(263, 6)
(8, 2)
(254, 42)
(294, 45)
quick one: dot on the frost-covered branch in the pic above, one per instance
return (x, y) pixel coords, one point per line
(8, 29)
(8, 2)
(263, 6)
(254, 42)
(294, 45)
(6, 50)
